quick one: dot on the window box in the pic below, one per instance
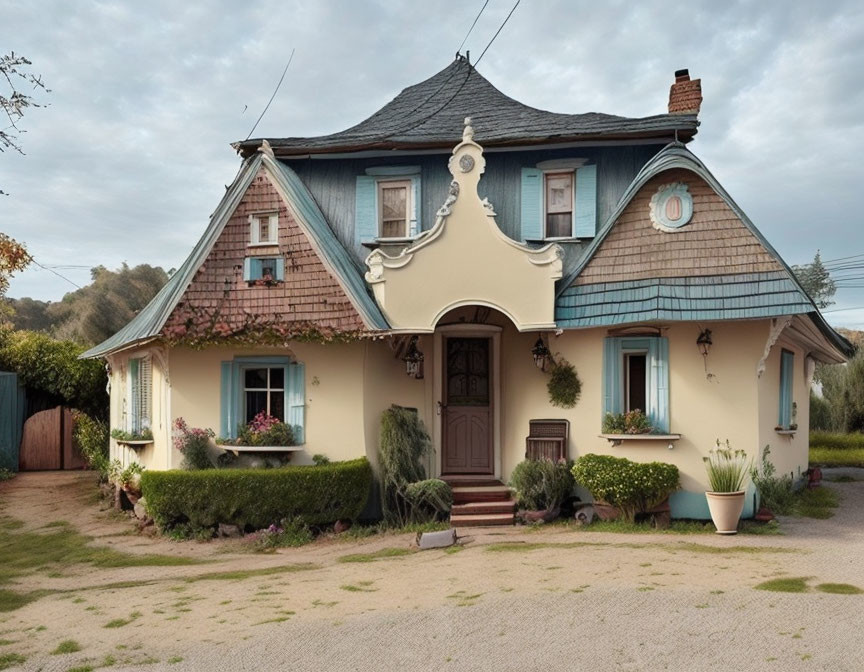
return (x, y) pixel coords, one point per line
(236, 450)
(786, 432)
(135, 444)
(263, 271)
(617, 439)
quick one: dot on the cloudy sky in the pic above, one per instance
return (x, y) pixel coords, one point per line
(132, 153)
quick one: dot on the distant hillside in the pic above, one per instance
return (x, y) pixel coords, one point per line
(855, 337)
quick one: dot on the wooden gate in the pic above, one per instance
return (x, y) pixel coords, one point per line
(46, 442)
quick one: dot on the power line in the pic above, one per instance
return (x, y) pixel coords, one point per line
(476, 19)
(267, 106)
(59, 275)
(483, 53)
(840, 310)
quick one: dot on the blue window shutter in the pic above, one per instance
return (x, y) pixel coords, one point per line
(227, 402)
(280, 269)
(247, 269)
(586, 201)
(296, 400)
(787, 368)
(612, 393)
(416, 225)
(532, 204)
(135, 392)
(658, 384)
(365, 210)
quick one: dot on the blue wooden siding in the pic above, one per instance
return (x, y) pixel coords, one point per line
(586, 202)
(722, 297)
(787, 377)
(531, 208)
(333, 184)
(13, 408)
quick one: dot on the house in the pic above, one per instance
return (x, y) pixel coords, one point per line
(428, 255)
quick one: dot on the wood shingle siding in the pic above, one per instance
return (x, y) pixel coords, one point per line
(218, 295)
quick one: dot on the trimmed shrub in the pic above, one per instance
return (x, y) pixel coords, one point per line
(542, 484)
(431, 499)
(258, 498)
(632, 487)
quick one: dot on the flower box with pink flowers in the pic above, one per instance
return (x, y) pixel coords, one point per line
(264, 433)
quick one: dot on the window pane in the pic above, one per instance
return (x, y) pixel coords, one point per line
(393, 229)
(256, 378)
(268, 268)
(559, 193)
(394, 202)
(264, 229)
(277, 379)
(255, 403)
(636, 384)
(277, 405)
(559, 226)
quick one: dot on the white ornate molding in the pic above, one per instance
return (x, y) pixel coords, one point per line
(778, 324)
(160, 355)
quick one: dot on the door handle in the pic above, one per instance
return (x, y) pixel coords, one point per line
(441, 407)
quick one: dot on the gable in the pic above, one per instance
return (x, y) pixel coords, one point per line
(221, 302)
(715, 267)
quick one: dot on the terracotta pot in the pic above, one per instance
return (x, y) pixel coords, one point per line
(606, 511)
(726, 508)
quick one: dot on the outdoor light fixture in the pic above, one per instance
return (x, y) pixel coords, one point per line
(704, 342)
(413, 359)
(541, 354)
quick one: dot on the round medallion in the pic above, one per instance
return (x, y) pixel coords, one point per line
(671, 207)
(466, 163)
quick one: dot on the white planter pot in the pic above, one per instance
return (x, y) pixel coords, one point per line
(726, 508)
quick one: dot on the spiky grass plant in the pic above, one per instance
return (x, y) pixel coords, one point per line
(726, 468)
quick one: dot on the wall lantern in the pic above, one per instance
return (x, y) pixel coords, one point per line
(413, 359)
(541, 354)
(704, 342)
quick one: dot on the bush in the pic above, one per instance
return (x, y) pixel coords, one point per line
(91, 436)
(542, 484)
(632, 422)
(431, 499)
(820, 413)
(290, 533)
(258, 498)
(631, 487)
(776, 494)
(194, 444)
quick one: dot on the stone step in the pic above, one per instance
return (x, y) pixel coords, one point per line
(463, 494)
(472, 508)
(482, 520)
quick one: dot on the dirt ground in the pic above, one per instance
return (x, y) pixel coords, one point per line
(509, 599)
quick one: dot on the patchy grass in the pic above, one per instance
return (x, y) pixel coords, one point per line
(173, 660)
(796, 584)
(10, 600)
(81, 668)
(377, 555)
(836, 457)
(690, 547)
(676, 527)
(365, 531)
(241, 574)
(843, 478)
(66, 646)
(817, 503)
(361, 587)
(8, 660)
(120, 622)
(839, 589)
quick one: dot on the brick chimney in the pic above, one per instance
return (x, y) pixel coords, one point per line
(685, 95)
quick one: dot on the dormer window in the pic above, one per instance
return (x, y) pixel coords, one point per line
(559, 205)
(394, 208)
(264, 229)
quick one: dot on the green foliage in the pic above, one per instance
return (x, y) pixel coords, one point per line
(431, 499)
(91, 436)
(796, 584)
(833, 457)
(631, 487)
(542, 484)
(121, 435)
(53, 368)
(128, 477)
(193, 443)
(98, 310)
(632, 422)
(315, 495)
(290, 533)
(726, 468)
(816, 281)
(8, 660)
(817, 503)
(6, 474)
(66, 646)
(837, 440)
(320, 459)
(564, 386)
(843, 392)
(403, 447)
(280, 434)
(820, 413)
(775, 493)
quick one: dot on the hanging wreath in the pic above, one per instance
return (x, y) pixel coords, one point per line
(564, 385)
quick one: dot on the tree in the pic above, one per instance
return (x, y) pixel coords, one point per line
(13, 257)
(816, 281)
(13, 102)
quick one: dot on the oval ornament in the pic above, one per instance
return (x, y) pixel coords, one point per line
(671, 207)
(466, 163)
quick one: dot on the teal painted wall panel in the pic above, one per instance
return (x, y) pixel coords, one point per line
(531, 204)
(13, 408)
(586, 201)
(365, 211)
(694, 506)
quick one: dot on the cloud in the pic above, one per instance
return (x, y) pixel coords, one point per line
(133, 153)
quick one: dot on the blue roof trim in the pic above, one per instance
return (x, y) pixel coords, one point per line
(148, 323)
(312, 220)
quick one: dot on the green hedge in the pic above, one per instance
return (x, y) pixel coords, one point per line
(256, 498)
(837, 440)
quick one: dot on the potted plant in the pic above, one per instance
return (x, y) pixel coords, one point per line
(727, 469)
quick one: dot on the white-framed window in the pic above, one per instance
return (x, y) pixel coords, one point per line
(264, 390)
(558, 199)
(264, 228)
(140, 408)
(395, 208)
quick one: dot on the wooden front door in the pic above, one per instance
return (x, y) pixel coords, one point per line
(466, 414)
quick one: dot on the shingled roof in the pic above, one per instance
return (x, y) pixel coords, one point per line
(430, 115)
